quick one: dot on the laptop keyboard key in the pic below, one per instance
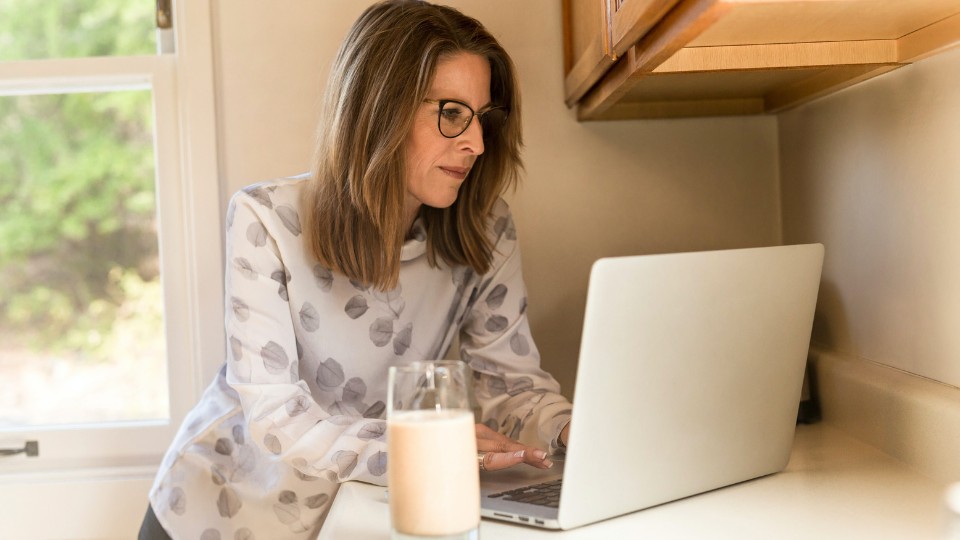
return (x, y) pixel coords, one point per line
(545, 494)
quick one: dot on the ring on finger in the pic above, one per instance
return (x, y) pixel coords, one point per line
(481, 458)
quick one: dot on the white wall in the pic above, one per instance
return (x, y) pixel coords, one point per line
(873, 172)
(591, 190)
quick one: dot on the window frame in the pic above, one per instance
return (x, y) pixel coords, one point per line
(189, 222)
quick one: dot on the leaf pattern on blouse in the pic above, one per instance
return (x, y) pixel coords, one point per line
(496, 323)
(260, 195)
(354, 390)
(245, 268)
(309, 318)
(346, 460)
(267, 445)
(496, 386)
(287, 513)
(521, 385)
(275, 359)
(257, 234)
(290, 219)
(496, 297)
(375, 430)
(330, 374)
(240, 309)
(177, 501)
(377, 410)
(504, 227)
(237, 433)
(377, 464)
(297, 405)
(281, 277)
(316, 501)
(356, 307)
(403, 339)
(228, 503)
(272, 443)
(381, 331)
(519, 345)
(323, 277)
(223, 446)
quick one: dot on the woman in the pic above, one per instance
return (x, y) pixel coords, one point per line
(394, 245)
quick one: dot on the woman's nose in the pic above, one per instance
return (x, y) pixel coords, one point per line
(471, 140)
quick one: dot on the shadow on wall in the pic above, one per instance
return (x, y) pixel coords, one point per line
(831, 329)
(559, 345)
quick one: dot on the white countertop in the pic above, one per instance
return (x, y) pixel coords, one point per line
(833, 487)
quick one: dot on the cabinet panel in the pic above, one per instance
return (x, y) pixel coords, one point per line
(631, 19)
(586, 40)
(597, 32)
(809, 21)
(721, 57)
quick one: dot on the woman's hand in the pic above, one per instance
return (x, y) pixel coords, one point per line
(499, 451)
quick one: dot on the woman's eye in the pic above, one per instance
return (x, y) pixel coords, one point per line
(452, 113)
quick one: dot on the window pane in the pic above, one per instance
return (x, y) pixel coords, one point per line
(32, 29)
(81, 319)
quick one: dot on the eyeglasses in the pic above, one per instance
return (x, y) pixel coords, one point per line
(454, 117)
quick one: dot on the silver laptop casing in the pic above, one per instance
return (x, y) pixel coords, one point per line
(689, 377)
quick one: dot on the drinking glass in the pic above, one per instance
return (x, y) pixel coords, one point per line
(952, 499)
(432, 471)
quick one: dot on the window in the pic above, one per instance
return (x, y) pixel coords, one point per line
(75, 29)
(108, 187)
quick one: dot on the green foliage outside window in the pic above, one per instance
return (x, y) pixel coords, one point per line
(78, 245)
(33, 29)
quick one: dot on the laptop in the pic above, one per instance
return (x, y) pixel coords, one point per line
(689, 379)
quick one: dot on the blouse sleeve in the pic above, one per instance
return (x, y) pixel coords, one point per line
(282, 416)
(516, 397)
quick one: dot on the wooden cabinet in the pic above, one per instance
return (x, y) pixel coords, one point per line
(723, 57)
(596, 32)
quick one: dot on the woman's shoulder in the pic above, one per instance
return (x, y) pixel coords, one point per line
(276, 200)
(501, 221)
(500, 208)
(270, 193)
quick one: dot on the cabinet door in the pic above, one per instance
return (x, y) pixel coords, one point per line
(631, 19)
(597, 32)
(736, 57)
(586, 44)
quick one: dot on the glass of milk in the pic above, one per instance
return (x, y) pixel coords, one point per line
(432, 470)
(952, 499)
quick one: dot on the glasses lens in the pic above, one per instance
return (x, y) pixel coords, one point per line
(493, 120)
(454, 118)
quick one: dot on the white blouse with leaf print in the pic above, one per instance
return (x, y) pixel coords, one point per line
(299, 405)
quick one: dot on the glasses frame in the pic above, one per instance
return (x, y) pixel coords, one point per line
(473, 114)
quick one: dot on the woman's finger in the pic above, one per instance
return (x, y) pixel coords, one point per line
(506, 452)
(499, 445)
(495, 461)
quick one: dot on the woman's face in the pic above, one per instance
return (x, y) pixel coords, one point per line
(436, 165)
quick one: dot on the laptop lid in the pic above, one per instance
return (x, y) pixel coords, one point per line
(689, 376)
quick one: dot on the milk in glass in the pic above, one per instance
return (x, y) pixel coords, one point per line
(432, 472)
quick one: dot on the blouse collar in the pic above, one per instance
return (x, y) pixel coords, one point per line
(416, 244)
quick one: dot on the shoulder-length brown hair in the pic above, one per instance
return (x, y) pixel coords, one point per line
(355, 201)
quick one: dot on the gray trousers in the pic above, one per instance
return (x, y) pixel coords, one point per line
(151, 528)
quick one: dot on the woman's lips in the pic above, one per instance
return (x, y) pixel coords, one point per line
(456, 172)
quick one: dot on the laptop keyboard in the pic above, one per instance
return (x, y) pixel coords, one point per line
(545, 494)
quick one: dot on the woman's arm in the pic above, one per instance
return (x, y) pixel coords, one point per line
(517, 398)
(282, 416)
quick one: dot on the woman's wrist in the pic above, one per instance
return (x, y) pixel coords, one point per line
(564, 434)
